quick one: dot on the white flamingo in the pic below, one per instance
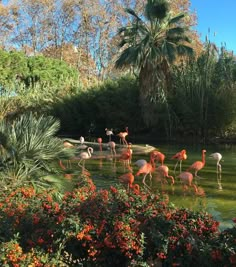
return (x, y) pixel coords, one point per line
(81, 139)
(82, 145)
(85, 155)
(218, 157)
(109, 133)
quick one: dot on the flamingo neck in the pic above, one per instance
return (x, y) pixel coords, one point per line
(203, 158)
(195, 188)
(89, 152)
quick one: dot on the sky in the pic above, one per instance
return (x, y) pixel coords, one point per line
(220, 17)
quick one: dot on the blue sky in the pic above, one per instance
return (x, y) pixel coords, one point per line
(220, 18)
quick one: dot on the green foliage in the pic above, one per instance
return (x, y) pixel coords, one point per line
(29, 147)
(50, 71)
(19, 73)
(12, 66)
(203, 96)
(113, 104)
(156, 9)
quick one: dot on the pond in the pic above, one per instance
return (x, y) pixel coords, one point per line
(217, 188)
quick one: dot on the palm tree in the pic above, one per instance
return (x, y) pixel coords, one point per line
(151, 43)
(28, 150)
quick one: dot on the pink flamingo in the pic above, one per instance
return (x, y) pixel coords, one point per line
(112, 146)
(164, 172)
(198, 165)
(100, 143)
(126, 156)
(187, 179)
(146, 169)
(63, 167)
(67, 144)
(180, 156)
(141, 162)
(126, 153)
(123, 135)
(127, 178)
(158, 156)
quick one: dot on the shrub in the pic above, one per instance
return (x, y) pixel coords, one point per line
(108, 227)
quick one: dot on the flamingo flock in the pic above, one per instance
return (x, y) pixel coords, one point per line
(156, 168)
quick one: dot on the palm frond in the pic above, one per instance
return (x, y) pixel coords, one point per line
(185, 50)
(176, 18)
(128, 57)
(132, 12)
(31, 146)
(175, 31)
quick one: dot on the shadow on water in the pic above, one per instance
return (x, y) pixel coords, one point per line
(216, 190)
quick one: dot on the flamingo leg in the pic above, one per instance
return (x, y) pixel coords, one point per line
(180, 166)
(150, 177)
(144, 177)
(218, 167)
(79, 163)
(176, 166)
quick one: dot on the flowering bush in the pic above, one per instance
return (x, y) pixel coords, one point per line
(107, 228)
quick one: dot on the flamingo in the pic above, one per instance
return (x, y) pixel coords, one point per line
(127, 178)
(198, 165)
(85, 155)
(112, 146)
(81, 139)
(67, 144)
(136, 189)
(146, 169)
(100, 143)
(158, 156)
(123, 135)
(109, 132)
(217, 156)
(180, 156)
(140, 162)
(63, 167)
(126, 153)
(164, 171)
(186, 179)
(82, 145)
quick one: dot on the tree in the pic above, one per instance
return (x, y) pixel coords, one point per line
(152, 42)
(203, 97)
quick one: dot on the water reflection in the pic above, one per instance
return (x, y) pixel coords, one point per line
(218, 178)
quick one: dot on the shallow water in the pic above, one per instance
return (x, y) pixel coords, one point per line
(218, 189)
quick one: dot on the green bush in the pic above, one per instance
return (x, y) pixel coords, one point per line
(29, 148)
(113, 104)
